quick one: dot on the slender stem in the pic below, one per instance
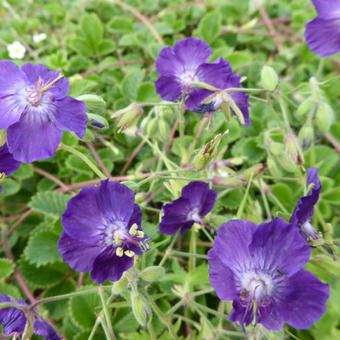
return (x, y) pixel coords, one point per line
(285, 115)
(105, 329)
(66, 296)
(278, 203)
(320, 68)
(94, 328)
(207, 234)
(264, 198)
(106, 312)
(245, 197)
(151, 331)
(182, 253)
(83, 158)
(175, 307)
(181, 135)
(169, 249)
(192, 249)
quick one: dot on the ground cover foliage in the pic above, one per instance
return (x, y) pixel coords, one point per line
(107, 49)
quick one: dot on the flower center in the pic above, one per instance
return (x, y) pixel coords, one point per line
(256, 287)
(194, 215)
(308, 230)
(115, 233)
(187, 78)
(34, 96)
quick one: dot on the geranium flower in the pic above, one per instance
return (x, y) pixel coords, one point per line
(13, 320)
(34, 109)
(261, 270)
(187, 62)
(323, 33)
(7, 163)
(304, 210)
(195, 202)
(102, 231)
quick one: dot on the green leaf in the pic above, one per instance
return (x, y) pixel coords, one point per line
(79, 45)
(283, 193)
(210, 26)
(42, 248)
(9, 187)
(131, 83)
(45, 276)
(239, 59)
(120, 24)
(52, 203)
(332, 196)
(147, 93)
(25, 171)
(92, 28)
(83, 309)
(106, 46)
(10, 290)
(6, 268)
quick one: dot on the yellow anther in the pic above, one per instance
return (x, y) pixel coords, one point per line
(129, 253)
(133, 229)
(119, 251)
(140, 234)
(118, 241)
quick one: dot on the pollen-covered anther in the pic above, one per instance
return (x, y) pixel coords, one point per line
(129, 253)
(119, 252)
(118, 240)
(140, 234)
(133, 229)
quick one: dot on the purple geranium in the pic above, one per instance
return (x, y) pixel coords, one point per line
(323, 33)
(304, 210)
(261, 270)
(7, 163)
(187, 62)
(34, 109)
(13, 319)
(102, 231)
(196, 201)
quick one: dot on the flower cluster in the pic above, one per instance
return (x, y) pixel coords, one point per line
(323, 33)
(187, 63)
(14, 320)
(102, 231)
(34, 109)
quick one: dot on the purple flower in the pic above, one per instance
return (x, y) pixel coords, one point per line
(323, 33)
(34, 109)
(261, 270)
(196, 201)
(102, 231)
(178, 67)
(7, 163)
(13, 320)
(304, 210)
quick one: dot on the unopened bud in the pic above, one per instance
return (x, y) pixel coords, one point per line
(276, 149)
(119, 286)
(164, 129)
(153, 273)
(152, 126)
(128, 117)
(253, 171)
(165, 112)
(304, 108)
(269, 78)
(306, 136)
(273, 167)
(293, 150)
(139, 308)
(324, 117)
(93, 102)
(207, 153)
(229, 182)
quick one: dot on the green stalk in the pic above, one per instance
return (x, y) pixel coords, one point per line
(243, 203)
(106, 313)
(182, 253)
(169, 249)
(83, 158)
(192, 250)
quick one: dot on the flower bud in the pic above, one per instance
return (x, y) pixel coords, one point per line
(293, 150)
(165, 112)
(152, 126)
(273, 167)
(153, 273)
(119, 286)
(253, 171)
(207, 153)
(269, 78)
(128, 117)
(229, 182)
(306, 136)
(93, 102)
(276, 149)
(164, 129)
(324, 117)
(304, 108)
(139, 308)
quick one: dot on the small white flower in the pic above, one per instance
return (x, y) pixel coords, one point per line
(16, 50)
(37, 38)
